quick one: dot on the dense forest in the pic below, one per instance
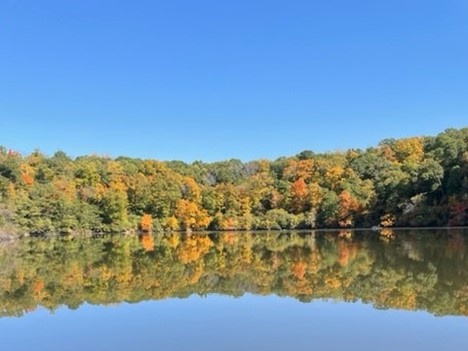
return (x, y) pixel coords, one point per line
(410, 272)
(419, 181)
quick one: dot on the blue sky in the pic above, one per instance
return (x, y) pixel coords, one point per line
(212, 80)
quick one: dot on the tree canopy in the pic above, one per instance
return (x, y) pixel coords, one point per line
(420, 181)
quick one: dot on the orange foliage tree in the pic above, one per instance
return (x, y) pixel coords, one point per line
(348, 206)
(146, 223)
(299, 194)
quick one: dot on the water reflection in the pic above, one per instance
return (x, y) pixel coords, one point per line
(410, 270)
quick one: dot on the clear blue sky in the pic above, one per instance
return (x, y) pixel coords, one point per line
(214, 80)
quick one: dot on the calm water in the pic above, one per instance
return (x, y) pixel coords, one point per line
(237, 291)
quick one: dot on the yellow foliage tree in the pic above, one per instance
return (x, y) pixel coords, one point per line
(192, 190)
(333, 176)
(409, 149)
(172, 224)
(299, 169)
(191, 216)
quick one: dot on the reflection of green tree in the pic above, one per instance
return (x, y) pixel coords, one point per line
(410, 272)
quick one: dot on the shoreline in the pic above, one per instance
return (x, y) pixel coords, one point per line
(8, 237)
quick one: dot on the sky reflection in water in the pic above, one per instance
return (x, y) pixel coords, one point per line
(225, 323)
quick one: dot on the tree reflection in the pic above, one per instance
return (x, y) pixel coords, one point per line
(414, 270)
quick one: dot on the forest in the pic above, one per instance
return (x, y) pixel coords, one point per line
(417, 181)
(410, 272)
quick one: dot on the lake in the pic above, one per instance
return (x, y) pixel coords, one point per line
(324, 290)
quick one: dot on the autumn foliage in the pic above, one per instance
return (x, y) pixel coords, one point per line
(146, 223)
(419, 181)
(108, 269)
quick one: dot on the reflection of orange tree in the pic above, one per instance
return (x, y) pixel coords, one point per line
(346, 252)
(110, 269)
(147, 241)
(38, 289)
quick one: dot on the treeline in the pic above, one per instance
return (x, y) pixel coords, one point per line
(411, 272)
(420, 181)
